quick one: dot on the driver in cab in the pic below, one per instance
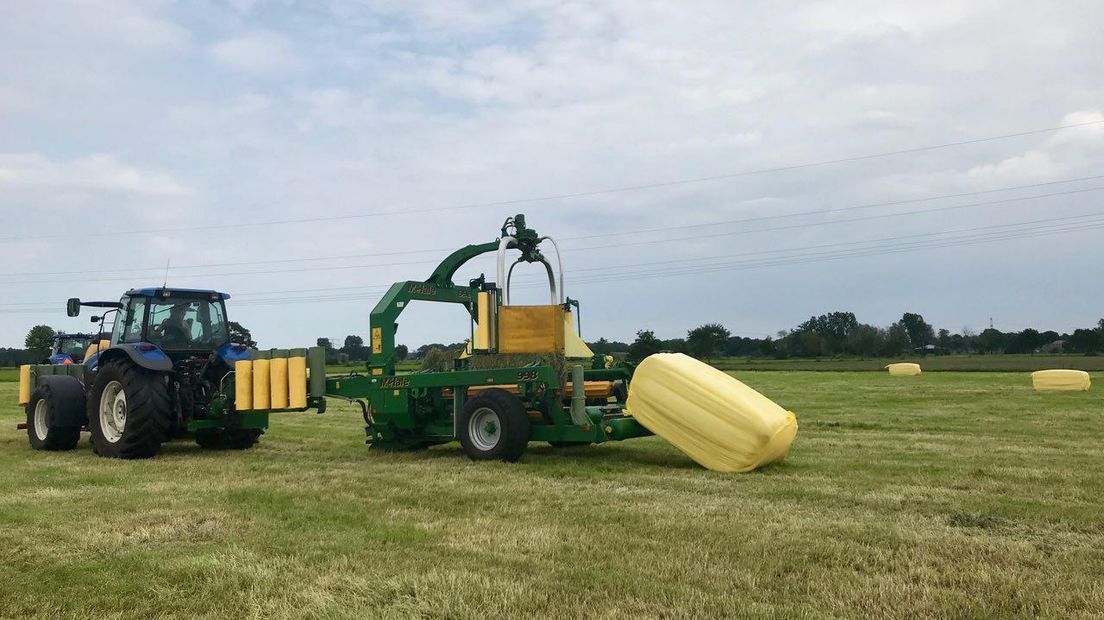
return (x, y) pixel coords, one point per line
(175, 328)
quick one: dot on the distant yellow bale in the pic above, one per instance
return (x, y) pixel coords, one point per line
(1061, 380)
(904, 369)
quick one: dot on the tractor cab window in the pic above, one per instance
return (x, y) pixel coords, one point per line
(73, 347)
(185, 324)
(131, 323)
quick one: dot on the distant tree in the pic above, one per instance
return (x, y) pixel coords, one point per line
(944, 339)
(401, 352)
(354, 347)
(920, 333)
(241, 335)
(707, 340)
(325, 343)
(674, 345)
(39, 341)
(991, 341)
(1086, 341)
(645, 344)
(767, 347)
(1024, 342)
(895, 340)
(864, 340)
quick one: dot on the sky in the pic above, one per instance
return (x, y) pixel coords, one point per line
(747, 163)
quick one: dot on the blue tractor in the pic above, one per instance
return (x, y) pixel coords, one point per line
(167, 373)
(69, 348)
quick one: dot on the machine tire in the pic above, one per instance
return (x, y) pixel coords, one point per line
(40, 433)
(146, 406)
(494, 426)
(228, 438)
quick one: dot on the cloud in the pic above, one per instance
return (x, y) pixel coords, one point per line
(97, 172)
(260, 53)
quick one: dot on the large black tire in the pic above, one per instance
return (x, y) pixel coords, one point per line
(43, 430)
(147, 408)
(228, 438)
(494, 426)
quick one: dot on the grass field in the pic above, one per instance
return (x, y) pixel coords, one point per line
(950, 495)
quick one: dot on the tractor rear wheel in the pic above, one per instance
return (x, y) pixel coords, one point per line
(129, 411)
(494, 426)
(42, 429)
(228, 438)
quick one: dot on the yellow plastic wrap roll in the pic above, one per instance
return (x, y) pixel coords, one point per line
(261, 372)
(903, 369)
(278, 382)
(1060, 380)
(243, 385)
(711, 417)
(297, 382)
(24, 384)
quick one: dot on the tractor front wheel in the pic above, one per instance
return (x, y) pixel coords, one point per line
(129, 411)
(43, 432)
(494, 426)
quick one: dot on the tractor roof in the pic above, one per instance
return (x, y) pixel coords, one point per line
(173, 292)
(70, 336)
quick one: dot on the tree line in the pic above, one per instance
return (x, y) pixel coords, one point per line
(841, 334)
(828, 335)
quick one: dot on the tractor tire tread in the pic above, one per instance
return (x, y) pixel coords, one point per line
(58, 438)
(149, 411)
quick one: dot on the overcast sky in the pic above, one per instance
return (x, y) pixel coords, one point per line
(119, 117)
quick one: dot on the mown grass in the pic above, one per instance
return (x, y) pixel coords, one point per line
(950, 495)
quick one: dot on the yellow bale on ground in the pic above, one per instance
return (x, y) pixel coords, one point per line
(903, 369)
(711, 417)
(1060, 380)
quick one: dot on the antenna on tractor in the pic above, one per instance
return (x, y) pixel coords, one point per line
(166, 283)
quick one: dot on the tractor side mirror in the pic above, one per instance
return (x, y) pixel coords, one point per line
(72, 307)
(95, 319)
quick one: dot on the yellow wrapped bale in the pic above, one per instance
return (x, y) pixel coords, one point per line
(25, 385)
(904, 369)
(243, 385)
(1060, 380)
(711, 417)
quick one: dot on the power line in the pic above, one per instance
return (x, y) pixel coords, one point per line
(1029, 229)
(568, 196)
(571, 238)
(606, 246)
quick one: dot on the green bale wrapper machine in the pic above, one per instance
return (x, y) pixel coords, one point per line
(527, 376)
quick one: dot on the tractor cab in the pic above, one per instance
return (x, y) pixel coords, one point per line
(69, 348)
(168, 323)
(174, 320)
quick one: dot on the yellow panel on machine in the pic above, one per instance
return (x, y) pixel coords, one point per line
(530, 329)
(271, 384)
(711, 417)
(1061, 380)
